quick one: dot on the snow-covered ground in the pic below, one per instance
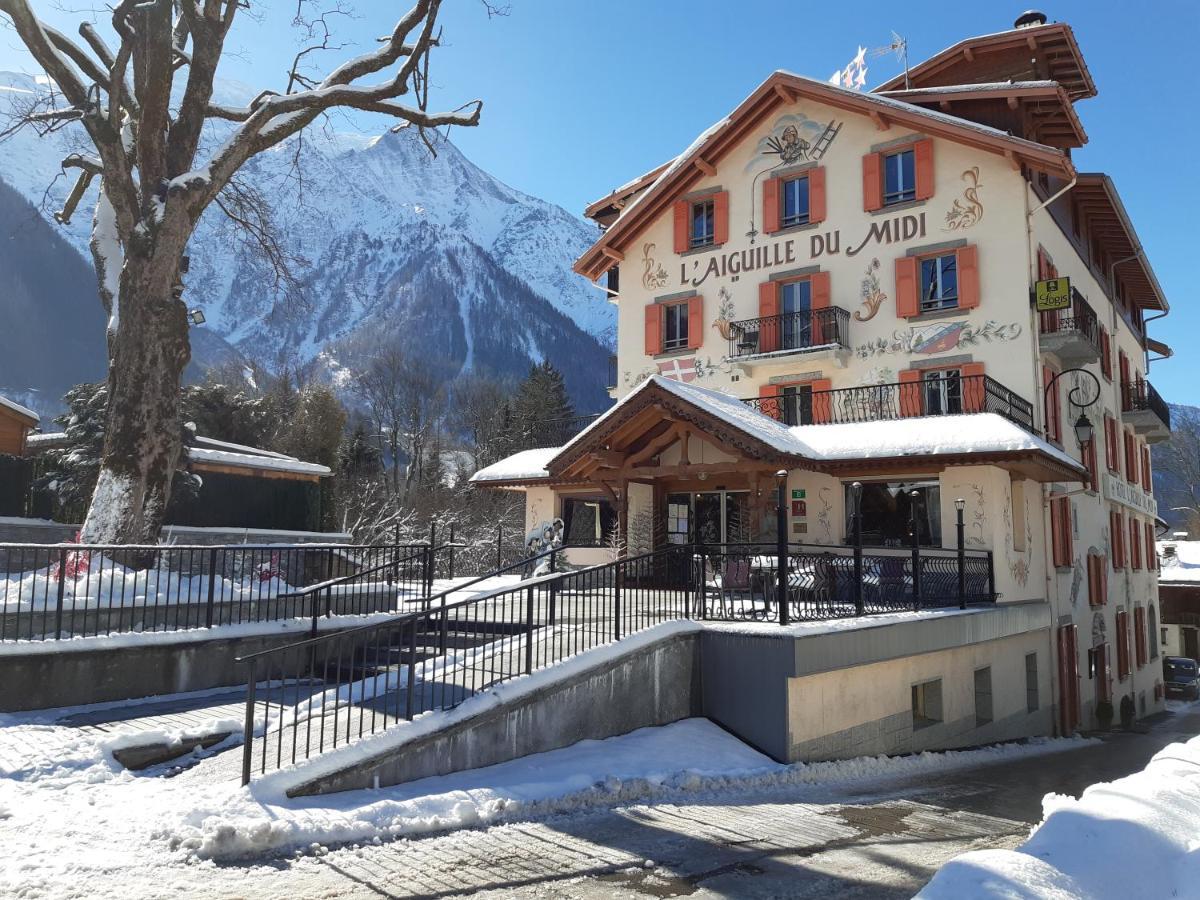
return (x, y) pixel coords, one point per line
(1138, 836)
(71, 817)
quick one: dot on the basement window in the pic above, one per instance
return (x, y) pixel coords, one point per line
(927, 704)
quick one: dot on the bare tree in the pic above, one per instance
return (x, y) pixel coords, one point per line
(1177, 463)
(154, 189)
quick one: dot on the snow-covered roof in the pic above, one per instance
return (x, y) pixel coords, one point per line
(1182, 565)
(528, 464)
(19, 409)
(983, 87)
(923, 436)
(254, 461)
(48, 439)
(214, 444)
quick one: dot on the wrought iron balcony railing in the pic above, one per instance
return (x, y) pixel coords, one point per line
(1080, 318)
(790, 332)
(1138, 396)
(898, 400)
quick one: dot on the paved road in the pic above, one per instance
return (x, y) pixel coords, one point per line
(882, 841)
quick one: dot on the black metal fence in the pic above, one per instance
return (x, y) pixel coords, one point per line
(1080, 318)
(790, 331)
(340, 686)
(50, 592)
(898, 400)
(1141, 395)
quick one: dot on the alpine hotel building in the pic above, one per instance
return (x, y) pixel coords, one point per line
(841, 284)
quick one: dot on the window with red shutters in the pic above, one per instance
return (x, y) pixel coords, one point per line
(1088, 454)
(1097, 571)
(1122, 645)
(1110, 444)
(1116, 531)
(1139, 635)
(1135, 544)
(1131, 458)
(908, 301)
(1053, 406)
(1060, 531)
(1105, 354)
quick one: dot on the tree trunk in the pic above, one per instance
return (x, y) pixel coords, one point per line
(143, 434)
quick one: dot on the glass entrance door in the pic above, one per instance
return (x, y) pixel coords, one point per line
(722, 517)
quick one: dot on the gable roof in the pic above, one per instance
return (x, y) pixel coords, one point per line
(990, 57)
(28, 416)
(779, 89)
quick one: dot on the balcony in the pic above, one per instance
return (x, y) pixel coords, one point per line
(1073, 335)
(771, 339)
(1144, 409)
(899, 400)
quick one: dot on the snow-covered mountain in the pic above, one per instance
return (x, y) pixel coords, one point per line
(389, 243)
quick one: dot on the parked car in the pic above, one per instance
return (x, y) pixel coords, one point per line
(1181, 677)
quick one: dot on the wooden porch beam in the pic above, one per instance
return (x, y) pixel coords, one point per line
(655, 447)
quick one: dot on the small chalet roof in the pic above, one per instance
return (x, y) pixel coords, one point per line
(958, 440)
(1179, 562)
(1096, 200)
(1046, 102)
(27, 415)
(782, 88)
(1034, 52)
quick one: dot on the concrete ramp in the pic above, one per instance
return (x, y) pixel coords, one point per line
(648, 679)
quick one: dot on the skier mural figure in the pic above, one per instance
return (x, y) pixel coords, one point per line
(546, 536)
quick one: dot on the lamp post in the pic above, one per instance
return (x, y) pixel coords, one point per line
(781, 548)
(1084, 431)
(959, 505)
(856, 510)
(914, 498)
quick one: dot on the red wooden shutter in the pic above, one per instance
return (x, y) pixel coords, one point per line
(683, 216)
(1057, 553)
(1117, 532)
(1052, 411)
(910, 393)
(821, 401)
(1110, 443)
(721, 216)
(820, 299)
(1135, 544)
(1147, 482)
(695, 308)
(907, 292)
(967, 262)
(1068, 678)
(654, 329)
(1139, 635)
(1151, 549)
(1097, 579)
(1131, 460)
(974, 388)
(768, 314)
(1088, 452)
(1105, 354)
(771, 205)
(768, 401)
(816, 195)
(1122, 645)
(872, 167)
(923, 160)
(1123, 371)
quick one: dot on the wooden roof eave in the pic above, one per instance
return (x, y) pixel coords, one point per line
(1097, 196)
(596, 260)
(1034, 464)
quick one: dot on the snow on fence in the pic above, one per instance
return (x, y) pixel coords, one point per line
(59, 591)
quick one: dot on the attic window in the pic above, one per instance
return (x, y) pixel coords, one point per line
(704, 217)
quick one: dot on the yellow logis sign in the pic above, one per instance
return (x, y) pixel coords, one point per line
(1052, 294)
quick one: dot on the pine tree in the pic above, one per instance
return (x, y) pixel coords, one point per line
(542, 410)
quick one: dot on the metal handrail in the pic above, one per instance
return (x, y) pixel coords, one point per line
(767, 334)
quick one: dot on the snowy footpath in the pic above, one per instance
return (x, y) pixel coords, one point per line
(74, 822)
(1138, 836)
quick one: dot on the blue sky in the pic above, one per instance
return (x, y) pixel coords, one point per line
(582, 95)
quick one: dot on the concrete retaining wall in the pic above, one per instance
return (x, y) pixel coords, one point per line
(653, 685)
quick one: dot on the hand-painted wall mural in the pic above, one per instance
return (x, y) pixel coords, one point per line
(1018, 563)
(978, 527)
(939, 338)
(723, 323)
(654, 275)
(968, 210)
(679, 368)
(871, 293)
(824, 519)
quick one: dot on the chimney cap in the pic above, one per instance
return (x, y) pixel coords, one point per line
(1030, 18)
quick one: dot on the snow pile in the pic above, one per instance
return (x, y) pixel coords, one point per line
(1134, 837)
(1179, 561)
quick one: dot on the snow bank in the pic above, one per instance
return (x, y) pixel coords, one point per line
(1134, 837)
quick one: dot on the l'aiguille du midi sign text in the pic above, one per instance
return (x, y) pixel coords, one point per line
(784, 251)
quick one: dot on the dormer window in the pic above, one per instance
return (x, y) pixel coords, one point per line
(704, 219)
(899, 177)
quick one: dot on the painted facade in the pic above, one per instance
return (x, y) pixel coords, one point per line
(790, 200)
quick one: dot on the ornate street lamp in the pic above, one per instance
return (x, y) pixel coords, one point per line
(1084, 431)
